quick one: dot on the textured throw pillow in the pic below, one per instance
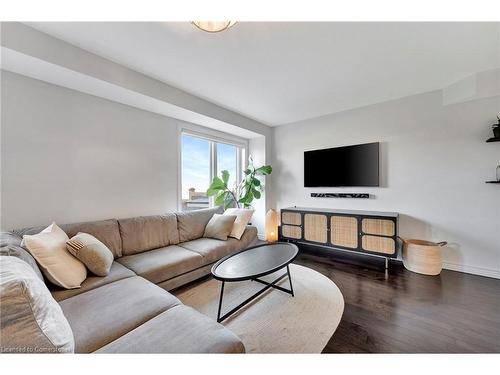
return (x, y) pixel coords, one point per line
(49, 249)
(31, 320)
(243, 217)
(219, 226)
(92, 252)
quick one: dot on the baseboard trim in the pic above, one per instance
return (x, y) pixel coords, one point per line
(480, 271)
(261, 237)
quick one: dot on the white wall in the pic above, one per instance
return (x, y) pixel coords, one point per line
(68, 156)
(434, 164)
(32, 53)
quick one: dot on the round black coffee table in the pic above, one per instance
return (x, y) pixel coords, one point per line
(252, 263)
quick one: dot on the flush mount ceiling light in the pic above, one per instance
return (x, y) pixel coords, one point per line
(213, 26)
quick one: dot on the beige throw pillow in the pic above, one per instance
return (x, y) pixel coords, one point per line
(92, 252)
(49, 249)
(243, 217)
(219, 226)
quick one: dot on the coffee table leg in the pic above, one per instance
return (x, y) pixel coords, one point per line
(220, 302)
(289, 279)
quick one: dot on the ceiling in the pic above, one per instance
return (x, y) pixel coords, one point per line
(279, 73)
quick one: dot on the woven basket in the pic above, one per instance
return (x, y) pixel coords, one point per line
(423, 256)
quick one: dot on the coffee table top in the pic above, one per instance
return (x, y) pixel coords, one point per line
(254, 262)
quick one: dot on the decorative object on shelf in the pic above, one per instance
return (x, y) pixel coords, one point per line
(213, 26)
(271, 226)
(423, 256)
(340, 195)
(245, 192)
(496, 129)
(497, 181)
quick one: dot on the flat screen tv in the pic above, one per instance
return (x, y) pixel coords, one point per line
(342, 166)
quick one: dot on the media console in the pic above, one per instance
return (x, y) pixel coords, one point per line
(366, 232)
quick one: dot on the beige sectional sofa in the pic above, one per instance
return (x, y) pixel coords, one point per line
(130, 310)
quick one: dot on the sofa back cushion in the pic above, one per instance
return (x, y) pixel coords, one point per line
(106, 231)
(145, 233)
(31, 320)
(192, 224)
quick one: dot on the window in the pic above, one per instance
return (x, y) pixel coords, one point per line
(227, 159)
(201, 159)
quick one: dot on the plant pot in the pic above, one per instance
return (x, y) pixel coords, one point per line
(496, 132)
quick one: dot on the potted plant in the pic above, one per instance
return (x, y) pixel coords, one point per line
(496, 128)
(242, 195)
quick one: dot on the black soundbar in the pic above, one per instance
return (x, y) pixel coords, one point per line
(340, 195)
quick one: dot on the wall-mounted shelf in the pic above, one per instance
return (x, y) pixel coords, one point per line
(493, 182)
(493, 140)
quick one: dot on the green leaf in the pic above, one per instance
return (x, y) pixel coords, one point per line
(247, 171)
(216, 186)
(211, 192)
(225, 176)
(265, 169)
(217, 183)
(256, 181)
(256, 193)
(247, 198)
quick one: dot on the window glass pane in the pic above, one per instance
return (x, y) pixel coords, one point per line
(227, 160)
(195, 172)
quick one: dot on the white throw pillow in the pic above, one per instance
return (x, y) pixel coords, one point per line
(243, 216)
(49, 249)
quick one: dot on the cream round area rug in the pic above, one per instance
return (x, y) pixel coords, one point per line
(275, 322)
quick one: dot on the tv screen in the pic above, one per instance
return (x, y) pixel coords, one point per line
(342, 166)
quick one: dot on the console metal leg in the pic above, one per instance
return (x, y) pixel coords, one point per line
(386, 263)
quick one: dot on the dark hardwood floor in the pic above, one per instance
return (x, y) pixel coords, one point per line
(398, 311)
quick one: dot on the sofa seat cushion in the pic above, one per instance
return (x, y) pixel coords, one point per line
(148, 232)
(178, 330)
(212, 250)
(162, 264)
(117, 272)
(102, 315)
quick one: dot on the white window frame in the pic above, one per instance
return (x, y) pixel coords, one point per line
(213, 137)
